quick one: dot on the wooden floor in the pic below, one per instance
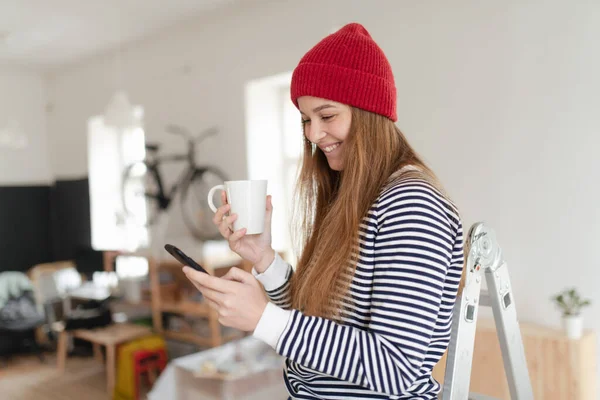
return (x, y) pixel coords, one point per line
(26, 378)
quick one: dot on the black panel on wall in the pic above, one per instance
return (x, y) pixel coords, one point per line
(71, 225)
(71, 229)
(24, 227)
(47, 223)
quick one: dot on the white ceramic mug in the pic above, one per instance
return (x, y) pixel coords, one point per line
(248, 199)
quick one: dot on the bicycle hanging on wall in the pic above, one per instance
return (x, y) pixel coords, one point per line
(145, 194)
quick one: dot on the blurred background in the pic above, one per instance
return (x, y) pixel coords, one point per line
(502, 100)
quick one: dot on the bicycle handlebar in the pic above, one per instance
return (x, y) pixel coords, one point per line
(208, 132)
(179, 130)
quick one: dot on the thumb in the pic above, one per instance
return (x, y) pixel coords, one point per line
(238, 275)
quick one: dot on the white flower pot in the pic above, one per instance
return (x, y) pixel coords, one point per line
(573, 326)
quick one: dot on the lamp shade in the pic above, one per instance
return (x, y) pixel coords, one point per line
(119, 112)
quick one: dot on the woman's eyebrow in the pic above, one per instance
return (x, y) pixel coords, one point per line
(322, 107)
(319, 108)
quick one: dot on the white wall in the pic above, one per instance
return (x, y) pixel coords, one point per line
(502, 98)
(22, 113)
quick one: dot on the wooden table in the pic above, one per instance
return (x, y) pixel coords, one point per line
(109, 337)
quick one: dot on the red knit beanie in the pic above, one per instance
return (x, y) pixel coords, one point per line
(347, 67)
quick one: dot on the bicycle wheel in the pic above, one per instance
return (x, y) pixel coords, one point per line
(197, 215)
(140, 194)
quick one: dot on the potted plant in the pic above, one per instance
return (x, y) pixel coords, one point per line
(570, 303)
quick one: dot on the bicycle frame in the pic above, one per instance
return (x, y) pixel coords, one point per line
(192, 178)
(166, 195)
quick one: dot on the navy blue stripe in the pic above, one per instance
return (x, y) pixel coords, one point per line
(398, 231)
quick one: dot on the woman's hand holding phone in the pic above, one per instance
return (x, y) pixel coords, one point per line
(253, 248)
(238, 298)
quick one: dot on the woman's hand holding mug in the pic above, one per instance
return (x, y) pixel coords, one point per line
(255, 248)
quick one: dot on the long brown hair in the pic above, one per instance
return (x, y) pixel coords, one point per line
(330, 205)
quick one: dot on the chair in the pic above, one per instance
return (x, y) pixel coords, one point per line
(19, 317)
(148, 362)
(50, 282)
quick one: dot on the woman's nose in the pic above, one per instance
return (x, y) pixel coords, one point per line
(315, 133)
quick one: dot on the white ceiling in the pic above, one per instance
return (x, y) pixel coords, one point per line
(50, 33)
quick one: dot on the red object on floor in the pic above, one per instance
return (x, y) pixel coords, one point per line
(148, 362)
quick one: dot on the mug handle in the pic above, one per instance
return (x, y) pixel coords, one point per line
(211, 192)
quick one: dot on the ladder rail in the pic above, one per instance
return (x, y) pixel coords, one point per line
(456, 386)
(509, 333)
(464, 325)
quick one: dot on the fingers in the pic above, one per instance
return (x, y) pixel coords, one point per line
(223, 197)
(206, 281)
(237, 235)
(226, 225)
(229, 275)
(269, 212)
(196, 285)
(213, 296)
(224, 222)
(218, 218)
(214, 299)
(212, 304)
(238, 275)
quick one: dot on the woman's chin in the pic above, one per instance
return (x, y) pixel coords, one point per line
(335, 165)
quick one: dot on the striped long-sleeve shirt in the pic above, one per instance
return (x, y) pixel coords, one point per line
(403, 290)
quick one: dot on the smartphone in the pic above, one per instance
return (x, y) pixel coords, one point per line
(183, 258)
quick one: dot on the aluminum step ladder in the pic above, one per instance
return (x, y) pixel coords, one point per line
(485, 256)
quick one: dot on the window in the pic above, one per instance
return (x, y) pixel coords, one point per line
(274, 146)
(110, 150)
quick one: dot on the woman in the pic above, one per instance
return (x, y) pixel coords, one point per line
(367, 311)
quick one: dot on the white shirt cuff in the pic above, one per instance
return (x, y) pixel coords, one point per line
(275, 276)
(271, 325)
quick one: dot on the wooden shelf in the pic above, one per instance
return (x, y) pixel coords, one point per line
(167, 264)
(142, 303)
(187, 308)
(210, 264)
(169, 299)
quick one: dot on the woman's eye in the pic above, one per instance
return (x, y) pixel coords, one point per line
(326, 117)
(305, 121)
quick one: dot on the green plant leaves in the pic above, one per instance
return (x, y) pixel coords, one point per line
(569, 302)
